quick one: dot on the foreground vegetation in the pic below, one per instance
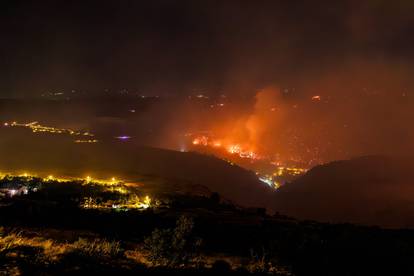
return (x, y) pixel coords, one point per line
(49, 232)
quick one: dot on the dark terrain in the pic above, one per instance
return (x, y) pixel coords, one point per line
(373, 190)
(47, 233)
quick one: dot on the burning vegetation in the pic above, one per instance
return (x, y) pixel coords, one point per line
(230, 148)
(269, 171)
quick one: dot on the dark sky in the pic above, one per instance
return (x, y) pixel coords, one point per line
(172, 47)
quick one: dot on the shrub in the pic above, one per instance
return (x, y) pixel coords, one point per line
(260, 263)
(97, 248)
(47, 250)
(8, 242)
(172, 247)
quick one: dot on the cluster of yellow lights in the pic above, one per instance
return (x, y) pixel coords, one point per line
(290, 171)
(281, 171)
(270, 181)
(50, 177)
(35, 127)
(86, 141)
(108, 182)
(112, 185)
(134, 202)
(115, 185)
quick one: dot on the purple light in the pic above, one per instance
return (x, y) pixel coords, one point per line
(123, 137)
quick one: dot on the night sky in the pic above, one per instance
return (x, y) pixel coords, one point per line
(234, 47)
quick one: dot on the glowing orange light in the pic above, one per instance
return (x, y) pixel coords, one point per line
(217, 144)
(237, 149)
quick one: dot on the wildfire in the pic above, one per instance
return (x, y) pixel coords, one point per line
(202, 141)
(280, 174)
(235, 149)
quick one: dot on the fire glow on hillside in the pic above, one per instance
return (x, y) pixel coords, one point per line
(236, 149)
(275, 178)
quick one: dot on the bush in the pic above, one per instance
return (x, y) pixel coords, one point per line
(260, 263)
(172, 247)
(97, 248)
(10, 241)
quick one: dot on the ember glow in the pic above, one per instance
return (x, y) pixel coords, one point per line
(230, 148)
(275, 177)
(266, 129)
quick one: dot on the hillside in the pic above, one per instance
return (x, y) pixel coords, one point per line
(58, 155)
(372, 190)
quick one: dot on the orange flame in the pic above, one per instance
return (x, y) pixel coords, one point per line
(229, 147)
